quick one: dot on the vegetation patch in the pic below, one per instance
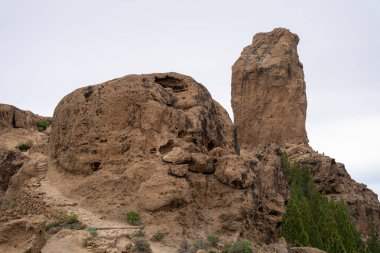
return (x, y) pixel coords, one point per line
(243, 246)
(133, 218)
(23, 147)
(158, 236)
(141, 245)
(311, 219)
(63, 220)
(87, 240)
(213, 240)
(43, 124)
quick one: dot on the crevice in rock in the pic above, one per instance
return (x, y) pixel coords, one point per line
(166, 148)
(171, 82)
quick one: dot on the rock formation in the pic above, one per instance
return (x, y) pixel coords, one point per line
(12, 117)
(332, 179)
(269, 103)
(107, 124)
(158, 144)
(169, 151)
(268, 91)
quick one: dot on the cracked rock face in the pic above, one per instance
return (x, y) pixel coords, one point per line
(268, 91)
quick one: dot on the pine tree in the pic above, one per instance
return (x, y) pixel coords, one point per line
(313, 220)
(373, 243)
(292, 228)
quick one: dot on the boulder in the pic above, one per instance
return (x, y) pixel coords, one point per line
(163, 191)
(137, 116)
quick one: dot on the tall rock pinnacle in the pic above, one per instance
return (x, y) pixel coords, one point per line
(268, 91)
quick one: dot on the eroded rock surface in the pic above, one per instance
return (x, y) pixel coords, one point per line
(23, 235)
(159, 144)
(12, 117)
(137, 116)
(268, 91)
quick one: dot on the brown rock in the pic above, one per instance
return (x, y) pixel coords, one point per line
(163, 191)
(268, 91)
(179, 170)
(12, 117)
(231, 170)
(10, 162)
(201, 163)
(136, 116)
(23, 235)
(177, 156)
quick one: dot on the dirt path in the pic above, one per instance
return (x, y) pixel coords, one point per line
(112, 236)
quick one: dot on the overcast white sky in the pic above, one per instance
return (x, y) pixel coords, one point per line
(49, 48)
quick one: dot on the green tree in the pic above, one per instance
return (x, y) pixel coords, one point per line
(311, 219)
(292, 228)
(373, 243)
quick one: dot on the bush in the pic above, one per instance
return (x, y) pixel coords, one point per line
(42, 125)
(51, 225)
(226, 247)
(141, 245)
(133, 218)
(92, 231)
(243, 246)
(67, 218)
(64, 220)
(213, 240)
(158, 236)
(23, 147)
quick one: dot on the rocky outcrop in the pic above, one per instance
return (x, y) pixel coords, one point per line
(332, 179)
(23, 235)
(269, 103)
(268, 91)
(10, 162)
(161, 145)
(137, 116)
(12, 117)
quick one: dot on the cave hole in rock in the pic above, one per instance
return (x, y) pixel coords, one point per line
(95, 166)
(166, 148)
(171, 82)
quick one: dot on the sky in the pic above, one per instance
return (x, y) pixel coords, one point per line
(48, 48)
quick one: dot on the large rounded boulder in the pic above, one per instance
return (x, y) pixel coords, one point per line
(136, 116)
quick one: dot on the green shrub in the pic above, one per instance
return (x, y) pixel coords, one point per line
(158, 236)
(133, 218)
(92, 231)
(141, 245)
(23, 147)
(226, 247)
(213, 240)
(243, 246)
(51, 225)
(42, 125)
(212, 251)
(67, 218)
(64, 220)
